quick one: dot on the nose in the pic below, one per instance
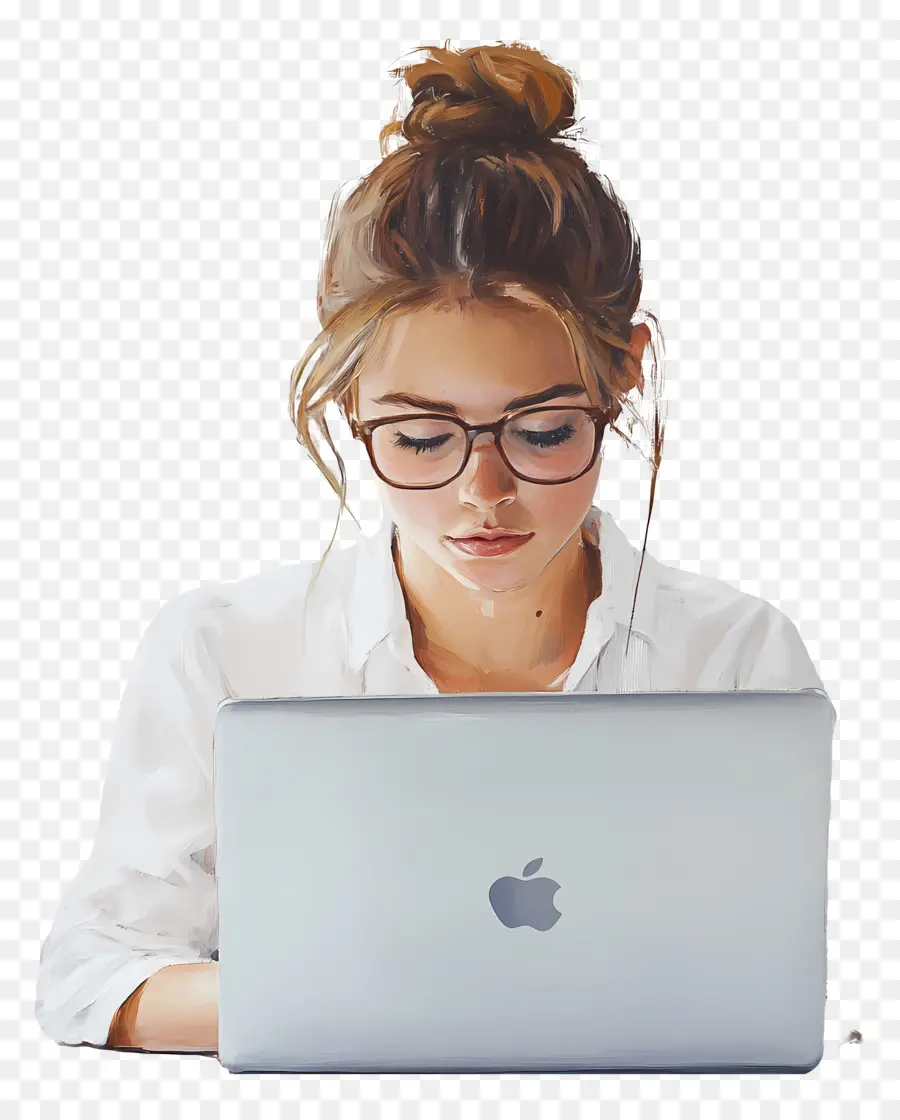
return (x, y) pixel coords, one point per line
(486, 479)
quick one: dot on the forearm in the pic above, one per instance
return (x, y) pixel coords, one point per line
(177, 1008)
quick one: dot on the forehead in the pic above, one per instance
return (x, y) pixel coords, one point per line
(477, 358)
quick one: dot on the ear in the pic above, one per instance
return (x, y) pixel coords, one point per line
(640, 336)
(349, 402)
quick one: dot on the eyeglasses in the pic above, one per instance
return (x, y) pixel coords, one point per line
(425, 450)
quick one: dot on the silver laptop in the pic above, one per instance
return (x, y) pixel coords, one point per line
(519, 882)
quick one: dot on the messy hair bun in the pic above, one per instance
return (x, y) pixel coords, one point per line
(485, 93)
(482, 202)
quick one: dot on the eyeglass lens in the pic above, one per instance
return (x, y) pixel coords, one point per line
(545, 445)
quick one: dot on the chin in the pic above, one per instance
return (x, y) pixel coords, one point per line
(493, 573)
(493, 586)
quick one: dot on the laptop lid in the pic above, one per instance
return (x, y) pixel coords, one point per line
(523, 881)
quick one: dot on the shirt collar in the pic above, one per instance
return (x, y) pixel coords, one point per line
(375, 606)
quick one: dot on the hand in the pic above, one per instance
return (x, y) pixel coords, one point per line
(175, 1009)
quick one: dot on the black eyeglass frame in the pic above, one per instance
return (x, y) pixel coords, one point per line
(363, 429)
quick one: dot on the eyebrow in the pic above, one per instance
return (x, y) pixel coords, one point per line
(567, 389)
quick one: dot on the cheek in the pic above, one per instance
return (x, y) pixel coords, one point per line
(421, 512)
(583, 490)
(561, 505)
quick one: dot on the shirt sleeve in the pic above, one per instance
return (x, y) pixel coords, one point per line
(773, 655)
(146, 897)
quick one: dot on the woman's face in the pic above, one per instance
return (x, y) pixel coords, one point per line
(478, 360)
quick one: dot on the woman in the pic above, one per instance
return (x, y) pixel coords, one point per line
(476, 303)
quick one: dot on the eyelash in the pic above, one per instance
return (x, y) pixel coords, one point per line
(419, 444)
(555, 438)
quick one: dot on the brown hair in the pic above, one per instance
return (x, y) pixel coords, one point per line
(484, 202)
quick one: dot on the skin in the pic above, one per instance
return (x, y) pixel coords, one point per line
(488, 623)
(175, 1010)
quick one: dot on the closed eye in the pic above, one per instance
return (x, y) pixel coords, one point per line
(432, 443)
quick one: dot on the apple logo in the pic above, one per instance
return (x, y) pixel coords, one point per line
(525, 902)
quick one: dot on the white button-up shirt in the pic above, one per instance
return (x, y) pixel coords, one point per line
(146, 896)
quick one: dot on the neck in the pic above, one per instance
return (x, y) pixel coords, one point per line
(533, 631)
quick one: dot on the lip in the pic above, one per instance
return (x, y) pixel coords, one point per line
(491, 533)
(498, 546)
